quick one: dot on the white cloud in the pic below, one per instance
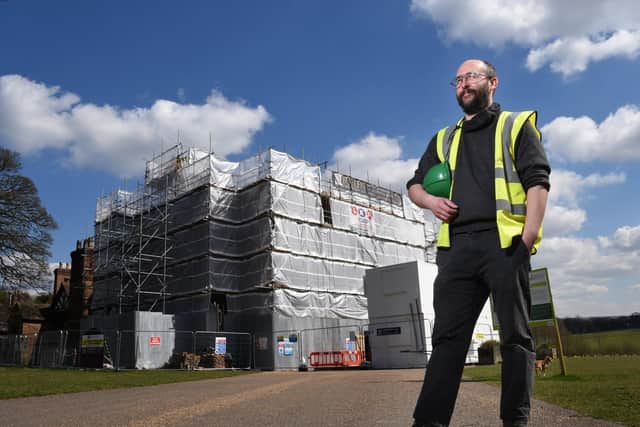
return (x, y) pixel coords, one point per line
(625, 238)
(560, 220)
(582, 271)
(585, 258)
(581, 139)
(567, 35)
(635, 287)
(568, 187)
(488, 23)
(34, 117)
(564, 215)
(376, 158)
(572, 55)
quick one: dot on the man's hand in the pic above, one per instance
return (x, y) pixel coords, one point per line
(529, 240)
(444, 209)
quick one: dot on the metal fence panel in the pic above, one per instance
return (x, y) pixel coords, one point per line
(125, 353)
(346, 339)
(70, 349)
(235, 348)
(9, 349)
(287, 349)
(154, 348)
(183, 356)
(49, 349)
(18, 350)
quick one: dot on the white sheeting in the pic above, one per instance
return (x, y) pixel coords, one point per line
(300, 173)
(190, 169)
(116, 202)
(292, 303)
(240, 226)
(288, 175)
(268, 196)
(267, 164)
(360, 192)
(335, 244)
(316, 274)
(313, 304)
(385, 226)
(295, 203)
(155, 339)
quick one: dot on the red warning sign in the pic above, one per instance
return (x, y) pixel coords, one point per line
(154, 340)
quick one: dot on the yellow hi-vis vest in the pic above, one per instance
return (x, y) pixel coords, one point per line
(511, 199)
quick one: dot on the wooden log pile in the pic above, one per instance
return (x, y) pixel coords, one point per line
(184, 360)
(212, 360)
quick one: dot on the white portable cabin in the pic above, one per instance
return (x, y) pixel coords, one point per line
(401, 316)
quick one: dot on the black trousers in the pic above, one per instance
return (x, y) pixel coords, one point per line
(471, 269)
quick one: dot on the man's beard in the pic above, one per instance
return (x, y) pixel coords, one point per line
(479, 101)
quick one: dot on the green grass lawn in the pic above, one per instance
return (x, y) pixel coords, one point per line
(606, 387)
(610, 342)
(23, 382)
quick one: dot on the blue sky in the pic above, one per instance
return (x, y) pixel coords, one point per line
(90, 90)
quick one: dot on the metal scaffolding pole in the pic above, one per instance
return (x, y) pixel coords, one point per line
(133, 243)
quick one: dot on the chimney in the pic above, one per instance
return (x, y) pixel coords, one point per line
(87, 244)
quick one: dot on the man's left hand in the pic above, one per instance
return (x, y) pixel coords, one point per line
(528, 241)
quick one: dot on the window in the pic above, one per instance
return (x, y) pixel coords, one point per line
(326, 209)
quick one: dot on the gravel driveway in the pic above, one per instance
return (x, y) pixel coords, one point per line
(354, 398)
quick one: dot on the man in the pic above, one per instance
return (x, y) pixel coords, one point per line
(491, 223)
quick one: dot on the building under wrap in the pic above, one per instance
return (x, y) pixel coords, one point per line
(267, 244)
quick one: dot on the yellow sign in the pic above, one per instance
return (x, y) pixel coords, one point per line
(92, 341)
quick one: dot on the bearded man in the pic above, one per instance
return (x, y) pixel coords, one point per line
(491, 225)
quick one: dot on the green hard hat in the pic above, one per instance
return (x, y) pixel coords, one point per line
(437, 181)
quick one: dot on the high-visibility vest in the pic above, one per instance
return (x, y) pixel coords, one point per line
(511, 199)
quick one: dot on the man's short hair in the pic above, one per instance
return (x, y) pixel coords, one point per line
(491, 70)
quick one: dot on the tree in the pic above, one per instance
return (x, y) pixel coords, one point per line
(25, 227)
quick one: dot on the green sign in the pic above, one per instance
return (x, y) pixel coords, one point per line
(542, 312)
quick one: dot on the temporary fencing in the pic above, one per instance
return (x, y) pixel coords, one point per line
(17, 350)
(49, 351)
(347, 345)
(129, 349)
(305, 347)
(395, 342)
(236, 348)
(336, 359)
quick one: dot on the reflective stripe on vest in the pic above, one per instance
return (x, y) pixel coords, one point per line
(509, 193)
(448, 138)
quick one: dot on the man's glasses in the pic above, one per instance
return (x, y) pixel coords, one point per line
(471, 77)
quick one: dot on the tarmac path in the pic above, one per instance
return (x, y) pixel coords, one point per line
(354, 398)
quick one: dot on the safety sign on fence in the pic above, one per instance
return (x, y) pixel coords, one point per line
(221, 345)
(92, 342)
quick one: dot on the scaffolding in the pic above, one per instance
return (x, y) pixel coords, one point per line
(132, 245)
(268, 243)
